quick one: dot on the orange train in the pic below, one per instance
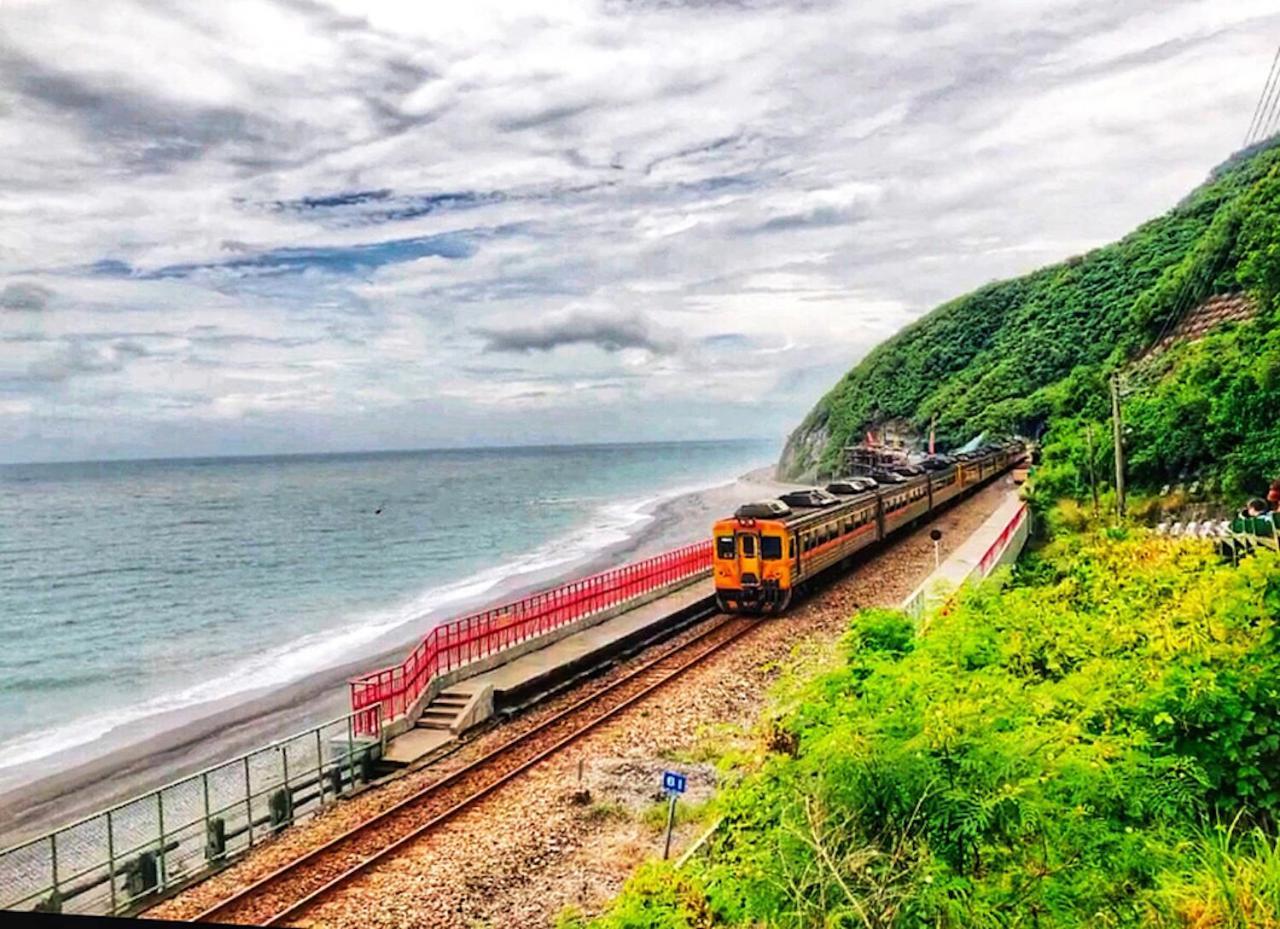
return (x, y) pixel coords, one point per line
(766, 551)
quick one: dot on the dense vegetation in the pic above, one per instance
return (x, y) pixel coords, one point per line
(1035, 352)
(1097, 744)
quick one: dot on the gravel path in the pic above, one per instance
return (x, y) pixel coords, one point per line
(549, 840)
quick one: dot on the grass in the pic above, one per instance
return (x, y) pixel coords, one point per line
(687, 811)
(606, 810)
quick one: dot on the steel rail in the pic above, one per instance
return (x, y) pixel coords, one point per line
(245, 897)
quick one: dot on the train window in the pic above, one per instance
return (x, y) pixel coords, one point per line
(748, 546)
(770, 547)
(791, 548)
(724, 547)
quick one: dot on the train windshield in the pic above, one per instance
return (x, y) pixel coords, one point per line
(748, 546)
(770, 547)
(724, 547)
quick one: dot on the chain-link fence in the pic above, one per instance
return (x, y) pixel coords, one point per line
(121, 859)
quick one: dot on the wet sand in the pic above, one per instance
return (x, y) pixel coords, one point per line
(120, 765)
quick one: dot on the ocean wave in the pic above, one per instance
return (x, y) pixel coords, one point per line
(612, 524)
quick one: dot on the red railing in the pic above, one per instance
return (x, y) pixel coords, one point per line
(992, 556)
(468, 638)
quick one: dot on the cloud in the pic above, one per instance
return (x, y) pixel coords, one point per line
(149, 132)
(325, 224)
(841, 205)
(26, 296)
(607, 332)
(76, 358)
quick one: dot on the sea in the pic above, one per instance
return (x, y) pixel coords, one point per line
(130, 589)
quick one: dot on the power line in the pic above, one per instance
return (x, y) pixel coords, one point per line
(1269, 105)
(1264, 102)
(1257, 110)
(1186, 298)
(1267, 122)
(1182, 302)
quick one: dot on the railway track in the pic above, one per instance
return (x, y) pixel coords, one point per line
(287, 892)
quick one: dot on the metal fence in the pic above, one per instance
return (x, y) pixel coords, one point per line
(121, 859)
(469, 638)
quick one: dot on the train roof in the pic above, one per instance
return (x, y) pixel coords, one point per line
(795, 515)
(793, 511)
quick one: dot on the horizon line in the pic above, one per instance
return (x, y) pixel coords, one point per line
(258, 456)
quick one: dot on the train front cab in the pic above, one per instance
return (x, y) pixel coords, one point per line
(753, 562)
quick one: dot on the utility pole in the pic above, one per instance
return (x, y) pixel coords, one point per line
(1093, 475)
(1117, 427)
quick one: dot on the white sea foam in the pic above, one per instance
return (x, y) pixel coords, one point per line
(613, 523)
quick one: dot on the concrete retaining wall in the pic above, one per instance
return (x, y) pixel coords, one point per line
(965, 564)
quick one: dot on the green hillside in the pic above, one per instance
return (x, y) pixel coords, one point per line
(1034, 352)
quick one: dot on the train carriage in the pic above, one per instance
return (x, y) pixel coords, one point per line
(766, 551)
(944, 486)
(904, 503)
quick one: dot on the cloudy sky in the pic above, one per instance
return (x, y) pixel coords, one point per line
(274, 226)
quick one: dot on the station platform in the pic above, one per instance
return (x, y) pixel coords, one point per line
(531, 676)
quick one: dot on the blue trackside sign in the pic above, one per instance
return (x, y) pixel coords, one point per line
(673, 782)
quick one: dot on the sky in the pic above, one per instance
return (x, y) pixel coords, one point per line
(266, 227)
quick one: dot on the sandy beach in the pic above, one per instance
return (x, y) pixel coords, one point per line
(119, 764)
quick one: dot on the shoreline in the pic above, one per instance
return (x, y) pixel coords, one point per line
(187, 740)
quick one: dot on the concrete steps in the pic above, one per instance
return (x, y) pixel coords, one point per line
(444, 710)
(448, 714)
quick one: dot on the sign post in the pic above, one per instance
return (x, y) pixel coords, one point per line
(674, 784)
(936, 535)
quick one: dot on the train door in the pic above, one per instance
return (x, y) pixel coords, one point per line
(749, 557)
